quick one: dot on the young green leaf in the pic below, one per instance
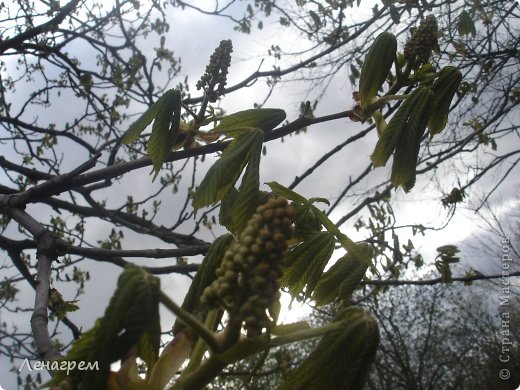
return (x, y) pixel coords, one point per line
(265, 119)
(131, 310)
(347, 244)
(407, 150)
(225, 214)
(131, 313)
(223, 175)
(306, 221)
(307, 262)
(466, 25)
(135, 130)
(248, 196)
(280, 190)
(342, 278)
(230, 216)
(393, 130)
(376, 66)
(444, 88)
(164, 130)
(343, 356)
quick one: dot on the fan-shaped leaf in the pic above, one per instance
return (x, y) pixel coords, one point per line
(136, 128)
(342, 278)
(444, 89)
(306, 221)
(389, 137)
(164, 130)
(225, 215)
(307, 261)
(132, 311)
(249, 192)
(347, 244)
(224, 173)
(343, 356)
(407, 149)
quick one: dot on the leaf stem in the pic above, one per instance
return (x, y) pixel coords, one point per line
(200, 347)
(305, 334)
(191, 321)
(203, 375)
(212, 366)
(247, 346)
(382, 101)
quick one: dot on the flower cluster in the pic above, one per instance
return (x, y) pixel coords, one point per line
(418, 48)
(216, 71)
(247, 279)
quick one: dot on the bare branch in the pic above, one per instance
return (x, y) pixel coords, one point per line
(430, 282)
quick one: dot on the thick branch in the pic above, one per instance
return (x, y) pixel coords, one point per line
(54, 186)
(39, 320)
(125, 167)
(46, 253)
(147, 253)
(13, 249)
(42, 28)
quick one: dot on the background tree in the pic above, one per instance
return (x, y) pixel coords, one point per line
(97, 63)
(438, 337)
